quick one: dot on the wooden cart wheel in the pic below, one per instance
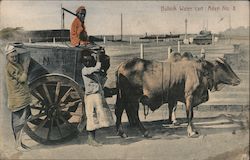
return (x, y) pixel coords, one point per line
(56, 110)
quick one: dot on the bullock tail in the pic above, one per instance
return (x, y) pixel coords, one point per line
(118, 85)
(119, 106)
(118, 88)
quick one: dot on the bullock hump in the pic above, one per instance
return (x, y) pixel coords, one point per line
(136, 64)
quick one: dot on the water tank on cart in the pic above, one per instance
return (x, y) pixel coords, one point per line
(57, 89)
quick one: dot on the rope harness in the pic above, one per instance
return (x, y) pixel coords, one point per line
(146, 111)
(162, 81)
(145, 107)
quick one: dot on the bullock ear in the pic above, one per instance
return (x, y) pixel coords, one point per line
(220, 60)
(207, 65)
(199, 60)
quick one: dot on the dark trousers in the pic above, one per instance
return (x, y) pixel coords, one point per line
(19, 118)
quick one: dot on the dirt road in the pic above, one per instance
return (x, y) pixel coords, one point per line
(223, 134)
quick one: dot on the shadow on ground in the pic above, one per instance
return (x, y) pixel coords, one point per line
(160, 129)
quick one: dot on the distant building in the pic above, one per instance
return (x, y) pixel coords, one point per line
(48, 35)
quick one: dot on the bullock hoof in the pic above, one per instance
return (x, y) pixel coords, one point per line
(193, 134)
(122, 134)
(176, 123)
(147, 135)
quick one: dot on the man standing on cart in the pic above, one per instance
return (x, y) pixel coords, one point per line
(78, 33)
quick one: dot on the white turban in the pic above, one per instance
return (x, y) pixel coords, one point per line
(9, 49)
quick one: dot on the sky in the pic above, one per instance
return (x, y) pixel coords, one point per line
(139, 17)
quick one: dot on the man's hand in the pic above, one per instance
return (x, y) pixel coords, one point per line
(98, 57)
(84, 43)
(23, 78)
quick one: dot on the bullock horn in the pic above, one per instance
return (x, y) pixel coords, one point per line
(221, 60)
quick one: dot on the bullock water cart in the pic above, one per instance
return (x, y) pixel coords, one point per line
(57, 89)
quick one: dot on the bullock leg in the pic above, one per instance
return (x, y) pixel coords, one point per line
(172, 106)
(130, 116)
(189, 111)
(119, 128)
(119, 108)
(145, 101)
(135, 112)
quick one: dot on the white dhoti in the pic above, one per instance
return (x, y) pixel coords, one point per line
(98, 112)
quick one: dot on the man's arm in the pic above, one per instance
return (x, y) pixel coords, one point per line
(25, 61)
(20, 77)
(90, 70)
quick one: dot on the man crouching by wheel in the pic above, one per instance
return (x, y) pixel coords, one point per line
(97, 110)
(19, 98)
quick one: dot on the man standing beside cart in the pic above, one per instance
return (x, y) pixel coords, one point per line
(97, 110)
(19, 98)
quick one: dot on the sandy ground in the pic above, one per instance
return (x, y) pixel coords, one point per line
(223, 134)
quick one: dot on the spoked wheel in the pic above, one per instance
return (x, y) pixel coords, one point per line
(56, 110)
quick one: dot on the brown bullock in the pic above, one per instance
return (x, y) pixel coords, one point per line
(154, 83)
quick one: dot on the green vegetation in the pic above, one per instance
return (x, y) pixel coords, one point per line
(10, 33)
